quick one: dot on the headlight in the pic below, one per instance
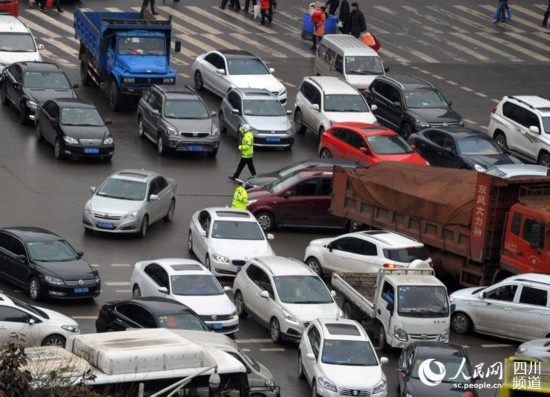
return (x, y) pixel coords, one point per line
(250, 202)
(53, 280)
(380, 387)
(327, 384)
(168, 81)
(97, 280)
(70, 140)
(444, 337)
(400, 334)
(171, 131)
(88, 209)
(32, 105)
(128, 80)
(479, 168)
(108, 141)
(270, 383)
(283, 91)
(220, 258)
(427, 163)
(421, 123)
(71, 328)
(332, 122)
(289, 317)
(461, 122)
(130, 215)
(233, 314)
(214, 130)
(521, 349)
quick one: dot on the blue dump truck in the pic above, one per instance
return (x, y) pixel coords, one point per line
(123, 52)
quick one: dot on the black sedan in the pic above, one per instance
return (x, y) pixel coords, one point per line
(434, 369)
(74, 128)
(147, 312)
(27, 85)
(459, 148)
(45, 264)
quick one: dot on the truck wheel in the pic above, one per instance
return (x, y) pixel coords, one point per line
(85, 77)
(382, 338)
(461, 323)
(199, 83)
(115, 97)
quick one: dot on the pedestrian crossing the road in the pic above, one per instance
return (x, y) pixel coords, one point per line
(436, 34)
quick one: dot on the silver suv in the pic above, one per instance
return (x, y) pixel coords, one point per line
(521, 125)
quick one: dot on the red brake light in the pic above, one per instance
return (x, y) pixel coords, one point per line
(389, 265)
(494, 110)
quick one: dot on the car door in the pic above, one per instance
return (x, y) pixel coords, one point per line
(14, 326)
(19, 269)
(49, 119)
(233, 120)
(6, 256)
(155, 207)
(151, 280)
(215, 82)
(299, 205)
(164, 193)
(384, 305)
(312, 97)
(494, 311)
(521, 139)
(201, 234)
(337, 255)
(13, 83)
(312, 346)
(385, 97)
(440, 148)
(259, 281)
(428, 143)
(358, 150)
(364, 257)
(146, 109)
(531, 317)
(136, 316)
(153, 121)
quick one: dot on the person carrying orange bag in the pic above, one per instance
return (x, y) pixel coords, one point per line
(318, 18)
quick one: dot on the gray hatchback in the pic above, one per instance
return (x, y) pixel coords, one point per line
(177, 120)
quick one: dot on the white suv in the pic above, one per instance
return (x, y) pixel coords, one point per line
(337, 359)
(324, 100)
(521, 125)
(284, 295)
(364, 252)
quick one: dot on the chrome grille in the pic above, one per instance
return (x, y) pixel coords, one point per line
(424, 336)
(221, 317)
(354, 392)
(453, 124)
(238, 262)
(90, 141)
(194, 134)
(73, 283)
(106, 216)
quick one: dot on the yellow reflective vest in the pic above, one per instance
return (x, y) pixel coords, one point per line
(247, 145)
(240, 198)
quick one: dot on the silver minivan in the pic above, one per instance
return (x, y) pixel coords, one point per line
(346, 57)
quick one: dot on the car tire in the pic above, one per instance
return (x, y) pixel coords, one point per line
(35, 289)
(144, 226)
(207, 263)
(382, 344)
(405, 130)
(275, 330)
(115, 97)
(501, 141)
(197, 79)
(136, 291)
(85, 78)
(23, 119)
(212, 154)
(314, 264)
(38, 131)
(221, 122)
(190, 242)
(239, 304)
(299, 122)
(461, 323)
(314, 388)
(108, 157)
(169, 217)
(161, 149)
(141, 127)
(4, 95)
(266, 221)
(544, 159)
(325, 154)
(58, 149)
(300, 367)
(54, 340)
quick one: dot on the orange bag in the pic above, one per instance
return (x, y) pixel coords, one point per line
(370, 40)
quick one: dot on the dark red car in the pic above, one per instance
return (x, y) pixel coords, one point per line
(299, 199)
(367, 144)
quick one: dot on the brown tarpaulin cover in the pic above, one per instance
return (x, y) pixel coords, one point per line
(442, 195)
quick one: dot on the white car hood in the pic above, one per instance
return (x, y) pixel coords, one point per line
(310, 312)
(266, 81)
(467, 294)
(8, 58)
(360, 81)
(241, 249)
(357, 117)
(113, 206)
(59, 318)
(208, 305)
(321, 242)
(350, 376)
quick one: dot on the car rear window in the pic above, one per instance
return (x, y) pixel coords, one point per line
(408, 254)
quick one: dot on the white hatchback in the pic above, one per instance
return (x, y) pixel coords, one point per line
(337, 359)
(284, 295)
(190, 283)
(223, 239)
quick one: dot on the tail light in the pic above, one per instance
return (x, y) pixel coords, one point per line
(389, 265)
(494, 110)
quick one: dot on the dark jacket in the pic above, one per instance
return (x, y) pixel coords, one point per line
(332, 6)
(357, 23)
(344, 17)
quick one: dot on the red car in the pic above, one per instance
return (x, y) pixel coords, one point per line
(367, 144)
(299, 199)
(9, 7)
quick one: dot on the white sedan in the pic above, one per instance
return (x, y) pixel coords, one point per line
(31, 325)
(218, 71)
(190, 283)
(223, 239)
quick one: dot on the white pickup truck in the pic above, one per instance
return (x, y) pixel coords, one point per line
(404, 304)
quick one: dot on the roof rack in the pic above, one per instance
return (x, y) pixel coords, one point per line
(522, 101)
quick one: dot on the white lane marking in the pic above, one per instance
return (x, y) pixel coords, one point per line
(117, 283)
(481, 94)
(497, 345)
(244, 349)
(70, 51)
(191, 21)
(84, 317)
(123, 291)
(469, 121)
(477, 43)
(300, 51)
(507, 44)
(266, 340)
(37, 28)
(204, 13)
(94, 265)
(387, 53)
(273, 349)
(258, 44)
(120, 265)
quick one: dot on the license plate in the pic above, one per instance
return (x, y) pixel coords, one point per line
(216, 325)
(91, 150)
(81, 290)
(195, 148)
(273, 139)
(105, 225)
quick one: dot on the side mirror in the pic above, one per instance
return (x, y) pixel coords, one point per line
(22, 258)
(235, 111)
(329, 247)
(373, 107)
(32, 321)
(153, 197)
(288, 112)
(270, 236)
(534, 129)
(40, 47)
(213, 113)
(384, 361)
(450, 103)
(163, 290)
(155, 112)
(310, 356)
(397, 104)
(481, 295)
(287, 194)
(364, 150)
(220, 71)
(92, 189)
(76, 85)
(202, 233)
(79, 254)
(227, 288)
(315, 107)
(264, 294)
(108, 121)
(333, 293)
(271, 70)
(386, 69)
(390, 307)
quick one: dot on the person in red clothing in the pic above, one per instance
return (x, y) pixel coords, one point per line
(265, 9)
(318, 18)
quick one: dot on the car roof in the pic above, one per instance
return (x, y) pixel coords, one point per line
(439, 349)
(6, 300)
(282, 266)
(73, 102)
(349, 44)
(342, 329)
(230, 214)
(134, 174)
(40, 66)
(176, 93)
(407, 82)
(368, 128)
(10, 24)
(534, 278)
(331, 85)
(329, 162)
(157, 305)
(518, 170)
(539, 103)
(32, 233)
(175, 266)
(391, 239)
(459, 132)
(236, 54)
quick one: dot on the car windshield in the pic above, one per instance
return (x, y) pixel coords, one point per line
(263, 107)
(235, 230)
(141, 46)
(345, 103)
(123, 189)
(30, 308)
(246, 66)
(81, 116)
(389, 144)
(546, 124)
(46, 80)
(16, 42)
(422, 301)
(183, 320)
(425, 98)
(478, 147)
(281, 185)
(348, 352)
(457, 370)
(195, 284)
(363, 65)
(407, 255)
(302, 290)
(51, 251)
(185, 109)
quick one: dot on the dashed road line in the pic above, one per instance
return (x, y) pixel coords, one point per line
(123, 291)
(273, 349)
(497, 345)
(117, 283)
(120, 265)
(265, 340)
(84, 317)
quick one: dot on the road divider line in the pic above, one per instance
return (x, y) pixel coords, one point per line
(120, 265)
(204, 13)
(123, 291)
(266, 340)
(496, 345)
(273, 349)
(84, 317)
(116, 283)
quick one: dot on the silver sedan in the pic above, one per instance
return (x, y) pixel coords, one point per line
(129, 201)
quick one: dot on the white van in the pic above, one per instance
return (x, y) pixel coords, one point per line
(344, 56)
(17, 43)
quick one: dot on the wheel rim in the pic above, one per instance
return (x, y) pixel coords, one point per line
(144, 227)
(137, 292)
(501, 141)
(381, 338)
(314, 265)
(34, 289)
(239, 303)
(160, 145)
(545, 160)
(113, 95)
(265, 222)
(198, 80)
(325, 154)
(190, 242)
(170, 214)
(140, 128)
(275, 330)
(298, 120)
(55, 341)
(460, 324)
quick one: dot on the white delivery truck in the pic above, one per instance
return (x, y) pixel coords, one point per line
(140, 363)
(403, 304)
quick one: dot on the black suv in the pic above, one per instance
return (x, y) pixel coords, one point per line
(407, 104)
(177, 120)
